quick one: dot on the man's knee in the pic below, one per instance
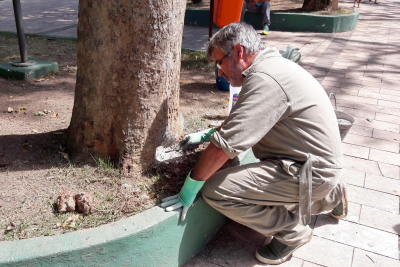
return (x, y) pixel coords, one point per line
(210, 187)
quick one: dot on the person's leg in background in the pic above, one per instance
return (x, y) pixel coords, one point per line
(265, 9)
(243, 11)
(249, 8)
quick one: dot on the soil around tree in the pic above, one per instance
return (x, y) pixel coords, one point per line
(34, 165)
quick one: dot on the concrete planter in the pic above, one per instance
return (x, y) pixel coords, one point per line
(281, 21)
(153, 238)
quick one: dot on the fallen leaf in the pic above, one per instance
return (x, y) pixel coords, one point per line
(369, 120)
(21, 93)
(70, 222)
(151, 195)
(226, 100)
(194, 98)
(58, 133)
(39, 80)
(11, 96)
(34, 131)
(10, 110)
(39, 114)
(73, 218)
(22, 108)
(185, 82)
(10, 227)
(70, 225)
(211, 92)
(54, 115)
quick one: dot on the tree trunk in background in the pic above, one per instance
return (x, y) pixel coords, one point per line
(127, 89)
(316, 5)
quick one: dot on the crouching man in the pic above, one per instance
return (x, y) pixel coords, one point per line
(285, 116)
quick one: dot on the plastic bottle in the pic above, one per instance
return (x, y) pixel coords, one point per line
(233, 96)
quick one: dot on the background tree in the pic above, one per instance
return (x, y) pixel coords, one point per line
(316, 5)
(127, 88)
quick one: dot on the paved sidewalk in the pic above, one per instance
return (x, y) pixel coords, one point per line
(361, 68)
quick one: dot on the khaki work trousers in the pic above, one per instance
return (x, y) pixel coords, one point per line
(265, 196)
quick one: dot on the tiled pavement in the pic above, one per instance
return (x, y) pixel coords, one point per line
(361, 67)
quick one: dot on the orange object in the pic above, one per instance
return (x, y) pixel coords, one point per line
(227, 12)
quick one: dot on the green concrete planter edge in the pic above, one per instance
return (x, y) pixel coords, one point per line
(42, 67)
(151, 238)
(281, 21)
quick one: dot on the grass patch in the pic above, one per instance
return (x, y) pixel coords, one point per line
(195, 60)
(340, 11)
(59, 49)
(46, 48)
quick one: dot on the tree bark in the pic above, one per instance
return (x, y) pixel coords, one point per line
(127, 88)
(316, 5)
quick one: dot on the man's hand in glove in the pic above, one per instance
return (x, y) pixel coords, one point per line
(185, 197)
(195, 139)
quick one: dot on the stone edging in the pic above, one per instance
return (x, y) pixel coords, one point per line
(281, 21)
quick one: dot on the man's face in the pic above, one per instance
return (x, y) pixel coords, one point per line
(230, 68)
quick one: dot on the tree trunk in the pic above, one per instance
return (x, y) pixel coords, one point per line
(316, 5)
(127, 88)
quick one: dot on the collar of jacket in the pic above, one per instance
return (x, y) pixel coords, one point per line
(266, 53)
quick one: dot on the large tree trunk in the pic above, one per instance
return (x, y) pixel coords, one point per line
(127, 89)
(316, 5)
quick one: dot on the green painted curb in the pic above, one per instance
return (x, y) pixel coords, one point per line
(151, 238)
(42, 67)
(281, 21)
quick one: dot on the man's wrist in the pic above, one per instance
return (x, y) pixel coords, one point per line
(189, 190)
(207, 135)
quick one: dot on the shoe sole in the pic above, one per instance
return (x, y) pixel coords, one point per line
(280, 261)
(345, 205)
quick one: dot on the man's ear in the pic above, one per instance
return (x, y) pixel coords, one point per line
(239, 51)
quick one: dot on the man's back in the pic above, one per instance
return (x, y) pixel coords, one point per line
(283, 112)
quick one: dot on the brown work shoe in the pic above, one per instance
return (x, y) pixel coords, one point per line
(341, 210)
(276, 252)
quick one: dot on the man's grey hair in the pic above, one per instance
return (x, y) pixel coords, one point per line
(233, 34)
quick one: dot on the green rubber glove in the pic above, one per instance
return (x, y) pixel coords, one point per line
(185, 197)
(194, 139)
